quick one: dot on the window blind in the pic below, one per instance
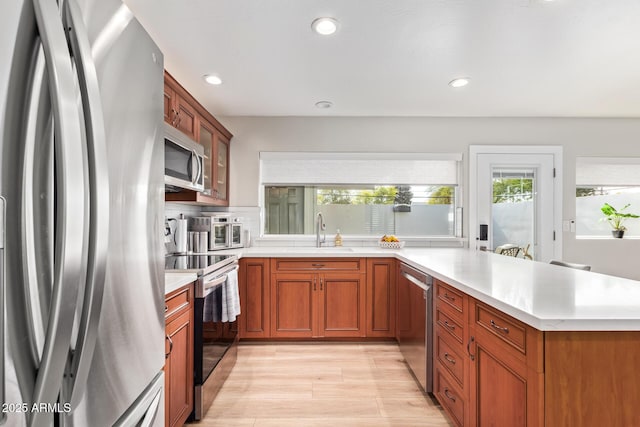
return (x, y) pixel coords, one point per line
(278, 168)
(607, 171)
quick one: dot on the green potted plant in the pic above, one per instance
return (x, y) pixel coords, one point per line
(616, 218)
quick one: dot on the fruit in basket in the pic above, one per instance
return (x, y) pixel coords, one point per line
(390, 238)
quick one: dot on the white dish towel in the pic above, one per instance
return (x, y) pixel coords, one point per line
(230, 298)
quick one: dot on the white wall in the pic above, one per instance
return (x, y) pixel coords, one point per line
(579, 137)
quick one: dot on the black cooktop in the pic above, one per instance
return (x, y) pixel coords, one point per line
(200, 264)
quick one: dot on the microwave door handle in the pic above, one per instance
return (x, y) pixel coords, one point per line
(195, 163)
(79, 361)
(70, 207)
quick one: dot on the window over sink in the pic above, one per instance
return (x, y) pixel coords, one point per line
(364, 194)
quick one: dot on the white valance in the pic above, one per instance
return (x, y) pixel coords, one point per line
(279, 168)
(607, 171)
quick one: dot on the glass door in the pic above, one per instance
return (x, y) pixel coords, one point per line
(206, 140)
(515, 203)
(222, 168)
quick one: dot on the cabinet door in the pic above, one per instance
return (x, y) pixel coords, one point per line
(221, 169)
(293, 311)
(341, 305)
(186, 117)
(381, 298)
(179, 369)
(205, 138)
(169, 104)
(254, 298)
(499, 389)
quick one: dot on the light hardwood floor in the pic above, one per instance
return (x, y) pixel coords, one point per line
(322, 384)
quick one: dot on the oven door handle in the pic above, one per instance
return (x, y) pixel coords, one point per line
(219, 279)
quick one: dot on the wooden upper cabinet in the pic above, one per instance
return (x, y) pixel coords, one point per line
(183, 112)
(169, 104)
(221, 168)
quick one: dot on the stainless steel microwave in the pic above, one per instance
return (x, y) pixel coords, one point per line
(183, 161)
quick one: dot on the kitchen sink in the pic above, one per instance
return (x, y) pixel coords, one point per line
(319, 250)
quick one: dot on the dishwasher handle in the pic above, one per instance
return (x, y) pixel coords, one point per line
(424, 286)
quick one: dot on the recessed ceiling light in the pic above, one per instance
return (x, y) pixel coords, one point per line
(459, 82)
(324, 104)
(325, 26)
(212, 79)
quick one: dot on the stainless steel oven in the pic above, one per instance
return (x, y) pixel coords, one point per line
(215, 337)
(183, 161)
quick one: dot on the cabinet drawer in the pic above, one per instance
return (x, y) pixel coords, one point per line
(318, 264)
(504, 327)
(449, 296)
(451, 326)
(178, 301)
(449, 357)
(449, 397)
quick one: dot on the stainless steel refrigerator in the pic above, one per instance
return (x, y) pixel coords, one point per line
(81, 243)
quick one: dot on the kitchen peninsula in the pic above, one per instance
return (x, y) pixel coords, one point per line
(539, 344)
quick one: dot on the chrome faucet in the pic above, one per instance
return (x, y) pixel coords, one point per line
(320, 225)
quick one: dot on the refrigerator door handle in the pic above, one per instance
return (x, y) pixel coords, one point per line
(3, 226)
(144, 410)
(80, 358)
(70, 208)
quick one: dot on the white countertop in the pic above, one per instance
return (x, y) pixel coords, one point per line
(173, 281)
(547, 297)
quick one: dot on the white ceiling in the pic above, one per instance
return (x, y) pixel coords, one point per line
(528, 58)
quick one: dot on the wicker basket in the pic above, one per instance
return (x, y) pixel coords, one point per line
(391, 245)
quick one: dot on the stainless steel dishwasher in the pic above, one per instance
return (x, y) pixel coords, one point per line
(415, 328)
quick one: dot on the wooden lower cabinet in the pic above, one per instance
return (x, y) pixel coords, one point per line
(310, 305)
(179, 347)
(591, 378)
(381, 297)
(506, 370)
(255, 298)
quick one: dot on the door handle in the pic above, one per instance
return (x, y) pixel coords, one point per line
(166, 355)
(314, 283)
(70, 207)
(471, 341)
(321, 283)
(195, 163)
(80, 359)
(3, 226)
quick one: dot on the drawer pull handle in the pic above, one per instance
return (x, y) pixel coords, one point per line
(166, 356)
(449, 395)
(471, 356)
(449, 326)
(449, 359)
(317, 265)
(449, 297)
(166, 308)
(494, 325)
